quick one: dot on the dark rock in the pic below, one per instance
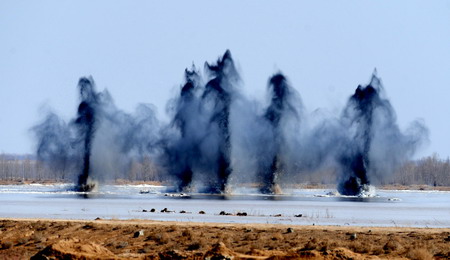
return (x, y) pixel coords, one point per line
(87, 226)
(138, 233)
(152, 210)
(194, 246)
(201, 212)
(298, 216)
(242, 214)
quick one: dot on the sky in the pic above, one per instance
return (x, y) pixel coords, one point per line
(138, 50)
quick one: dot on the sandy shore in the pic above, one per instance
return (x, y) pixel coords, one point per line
(138, 239)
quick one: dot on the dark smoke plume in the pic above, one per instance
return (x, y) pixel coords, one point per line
(86, 125)
(217, 137)
(100, 143)
(182, 151)
(220, 135)
(375, 145)
(67, 147)
(279, 110)
(217, 97)
(200, 148)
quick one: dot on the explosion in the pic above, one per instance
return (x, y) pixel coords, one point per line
(216, 136)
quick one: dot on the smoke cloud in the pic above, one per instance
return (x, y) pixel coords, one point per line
(280, 117)
(100, 142)
(201, 122)
(375, 146)
(217, 137)
(182, 143)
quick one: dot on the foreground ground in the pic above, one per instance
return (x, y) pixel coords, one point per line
(137, 239)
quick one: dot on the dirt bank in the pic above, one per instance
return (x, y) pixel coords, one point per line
(136, 239)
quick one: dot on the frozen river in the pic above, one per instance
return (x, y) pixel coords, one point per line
(387, 208)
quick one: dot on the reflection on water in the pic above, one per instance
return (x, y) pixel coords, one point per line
(362, 199)
(200, 196)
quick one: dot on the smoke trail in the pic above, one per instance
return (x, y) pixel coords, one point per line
(86, 125)
(375, 145)
(197, 143)
(101, 142)
(278, 114)
(182, 149)
(217, 98)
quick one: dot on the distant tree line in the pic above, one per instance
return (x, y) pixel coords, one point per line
(28, 168)
(431, 170)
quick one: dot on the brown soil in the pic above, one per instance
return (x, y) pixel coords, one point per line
(138, 239)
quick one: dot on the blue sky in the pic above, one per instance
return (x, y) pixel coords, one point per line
(138, 50)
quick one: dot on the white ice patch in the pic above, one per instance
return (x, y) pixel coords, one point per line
(368, 191)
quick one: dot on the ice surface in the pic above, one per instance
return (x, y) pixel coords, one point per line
(317, 206)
